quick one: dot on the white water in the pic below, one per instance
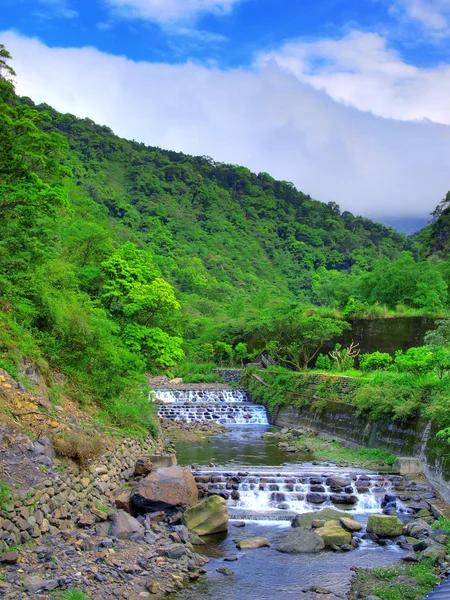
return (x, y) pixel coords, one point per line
(272, 492)
(199, 396)
(227, 407)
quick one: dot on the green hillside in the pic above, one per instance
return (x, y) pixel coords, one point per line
(116, 259)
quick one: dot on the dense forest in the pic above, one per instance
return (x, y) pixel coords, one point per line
(118, 259)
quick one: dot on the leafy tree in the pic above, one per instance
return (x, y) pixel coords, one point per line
(241, 352)
(296, 339)
(414, 360)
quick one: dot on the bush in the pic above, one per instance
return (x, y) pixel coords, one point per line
(415, 360)
(377, 361)
(135, 416)
(323, 362)
(79, 446)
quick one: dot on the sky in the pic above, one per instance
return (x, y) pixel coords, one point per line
(348, 99)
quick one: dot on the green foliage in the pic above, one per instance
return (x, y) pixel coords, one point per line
(376, 361)
(136, 416)
(415, 360)
(73, 594)
(5, 495)
(323, 362)
(442, 523)
(389, 589)
(362, 457)
(295, 338)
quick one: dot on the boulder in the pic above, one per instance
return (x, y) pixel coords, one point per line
(333, 534)
(299, 541)
(316, 498)
(350, 524)
(338, 482)
(435, 552)
(168, 489)
(124, 526)
(343, 499)
(326, 514)
(252, 543)
(384, 526)
(209, 516)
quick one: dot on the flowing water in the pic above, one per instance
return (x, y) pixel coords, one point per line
(227, 407)
(264, 486)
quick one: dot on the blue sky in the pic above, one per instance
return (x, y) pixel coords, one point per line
(227, 38)
(356, 90)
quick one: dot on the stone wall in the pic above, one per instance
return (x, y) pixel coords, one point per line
(66, 493)
(229, 375)
(414, 438)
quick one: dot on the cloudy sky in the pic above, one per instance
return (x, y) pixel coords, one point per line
(348, 99)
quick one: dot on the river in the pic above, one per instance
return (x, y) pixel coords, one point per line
(265, 573)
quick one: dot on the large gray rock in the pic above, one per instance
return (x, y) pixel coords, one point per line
(299, 541)
(124, 526)
(326, 514)
(168, 489)
(209, 516)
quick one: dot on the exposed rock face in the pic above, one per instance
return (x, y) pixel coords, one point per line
(124, 526)
(301, 541)
(384, 526)
(209, 516)
(333, 534)
(252, 543)
(166, 489)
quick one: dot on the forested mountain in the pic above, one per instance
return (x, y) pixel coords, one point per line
(115, 257)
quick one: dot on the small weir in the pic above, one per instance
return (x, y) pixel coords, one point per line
(266, 492)
(227, 407)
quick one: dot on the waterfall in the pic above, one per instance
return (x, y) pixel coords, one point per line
(227, 407)
(269, 492)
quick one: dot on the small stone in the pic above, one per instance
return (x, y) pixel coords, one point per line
(152, 586)
(225, 571)
(231, 558)
(10, 558)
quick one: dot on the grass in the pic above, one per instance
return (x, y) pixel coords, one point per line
(73, 594)
(389, 589)
(5, 494)
(193, 372)
(442, 523)
(363, 457)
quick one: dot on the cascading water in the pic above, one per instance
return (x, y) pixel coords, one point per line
(227, 407)
(269, 492)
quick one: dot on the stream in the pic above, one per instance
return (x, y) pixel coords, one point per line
(269, 488)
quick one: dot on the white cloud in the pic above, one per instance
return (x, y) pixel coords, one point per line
(361, 70)
(267, 120)
(58, 8)
(165, 11)
(434, 15)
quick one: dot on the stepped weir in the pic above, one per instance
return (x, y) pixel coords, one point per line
(224, 406)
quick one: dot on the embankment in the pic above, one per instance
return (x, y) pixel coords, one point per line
(325, 404)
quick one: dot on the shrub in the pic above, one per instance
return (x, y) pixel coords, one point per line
(323, 362)
(377, 361)
(79, 446)
(415, 360)
(136, 415)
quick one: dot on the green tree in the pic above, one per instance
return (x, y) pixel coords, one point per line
(295, 339)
